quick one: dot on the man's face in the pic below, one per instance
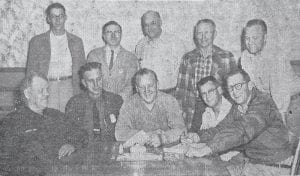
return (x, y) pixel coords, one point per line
(254, 39)
(92, 80)
(152, 26)
(112, 35)
(57, 19)
(147, 88)
(205, 35)
(211, 94)
(238, 89)
(37, 95)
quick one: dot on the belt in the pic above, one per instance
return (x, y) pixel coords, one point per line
(60, 78)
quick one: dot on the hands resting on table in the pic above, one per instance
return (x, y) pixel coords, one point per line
(194, 151)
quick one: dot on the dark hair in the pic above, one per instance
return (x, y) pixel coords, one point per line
(209, 21)
(110, 23)
(88, 67)
(142, 72)
(236, 71)
(259, 22)
(25, 84)
(206, 80)
(56, 6)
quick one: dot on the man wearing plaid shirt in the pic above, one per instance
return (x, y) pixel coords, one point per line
(205, 60)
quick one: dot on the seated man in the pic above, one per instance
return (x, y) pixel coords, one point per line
(95, 110)
(155, 112)
(253, 126)
(37, 136)
(217, 106)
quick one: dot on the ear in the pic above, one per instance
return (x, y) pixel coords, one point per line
(48, 20)
(251, 85)
(265, 39)
(220, 90)
(83, 82)
(27, 93)
(215, 34)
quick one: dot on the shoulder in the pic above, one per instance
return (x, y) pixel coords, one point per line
(142, 42)
(166, 99)
(131, 102)
(221, 52)
(128, 56)
(77, 100)
(112, 98)
(187, 57)
(74, 37)
(262, 99)
(39, 37)
(53, 113)
(96, 51)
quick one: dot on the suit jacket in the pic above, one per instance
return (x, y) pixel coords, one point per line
(118, 80)
(79, 112)
(39, 54)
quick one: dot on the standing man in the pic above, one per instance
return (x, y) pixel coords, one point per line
(37, 136)
(205, 60)
(95, 110)
(57, 54)
(118, 64)
(269, 71)
(253, 126)
(160, 51)
(155, 112)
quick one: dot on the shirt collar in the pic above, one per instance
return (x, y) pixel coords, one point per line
(116, 50)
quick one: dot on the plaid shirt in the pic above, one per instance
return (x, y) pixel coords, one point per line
(194, 67)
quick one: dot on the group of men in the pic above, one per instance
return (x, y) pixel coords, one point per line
(229, 106)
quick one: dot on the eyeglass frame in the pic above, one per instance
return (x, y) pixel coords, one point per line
(237, 86)
(209, 93)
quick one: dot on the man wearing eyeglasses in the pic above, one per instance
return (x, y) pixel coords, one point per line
(150, 110)
(57, 55)
(118, 64)
(253, 126)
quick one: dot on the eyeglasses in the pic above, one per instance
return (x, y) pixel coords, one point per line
(113, 32)
(209, 93)
(237, 86)
(148, 87)
(61, 16)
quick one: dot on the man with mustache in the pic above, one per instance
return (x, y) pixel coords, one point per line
(153, 111)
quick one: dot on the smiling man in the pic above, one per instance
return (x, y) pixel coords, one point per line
(217, 107)
(253, 126)
(118, 64)
(155, 112)
(57, 55)
(206, 59)
(159, 51)
(37, 136)
(96, 110)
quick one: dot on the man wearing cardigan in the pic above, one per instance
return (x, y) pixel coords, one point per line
(118, 64)
(57, 54)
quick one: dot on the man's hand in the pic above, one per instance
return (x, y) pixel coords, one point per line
(65, 150)
(154, 140)
(190, 138)
(198, 152)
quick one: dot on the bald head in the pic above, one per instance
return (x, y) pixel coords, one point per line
(151, 24)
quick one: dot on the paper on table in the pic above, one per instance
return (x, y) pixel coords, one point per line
(182, 148)
(139, 138)
(139, 157)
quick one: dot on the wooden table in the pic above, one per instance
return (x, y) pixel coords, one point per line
(99, 159)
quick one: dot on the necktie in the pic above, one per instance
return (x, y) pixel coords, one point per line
(111, 63)
(96, 120)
